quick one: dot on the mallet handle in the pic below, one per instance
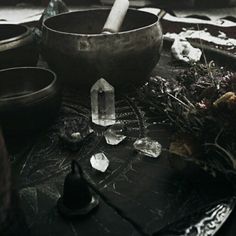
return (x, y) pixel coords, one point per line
(116, 16)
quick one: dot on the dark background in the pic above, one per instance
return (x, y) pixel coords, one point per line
(164, 3)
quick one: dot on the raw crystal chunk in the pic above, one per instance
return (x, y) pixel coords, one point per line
(99, 162)
(103, 103)
(114, 135)
(74, 131)
(182, 50)
(148, 147)
(77, 136)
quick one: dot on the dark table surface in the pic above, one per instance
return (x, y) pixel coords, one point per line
(139, 195)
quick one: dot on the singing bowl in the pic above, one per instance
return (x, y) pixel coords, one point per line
(29, 99)
(17, 46)
(74, 47)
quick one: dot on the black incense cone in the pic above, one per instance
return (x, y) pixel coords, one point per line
(77, 197)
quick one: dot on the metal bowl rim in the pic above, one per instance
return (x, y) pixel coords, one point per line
(9, 40)
(99, 35)
(51, 84)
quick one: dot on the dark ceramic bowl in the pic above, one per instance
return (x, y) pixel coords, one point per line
(29, 98)
(17, 46)
(75, 48)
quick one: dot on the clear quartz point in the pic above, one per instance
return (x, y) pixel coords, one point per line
(99, 162)
(103, 103)
(114, 135)
(148, 147)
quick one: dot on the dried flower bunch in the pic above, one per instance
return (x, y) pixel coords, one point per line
(200, 105)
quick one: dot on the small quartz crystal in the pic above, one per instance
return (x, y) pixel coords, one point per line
(114, 135)
(99, 162)
(148, 147)
(77, 136)
(103, 103)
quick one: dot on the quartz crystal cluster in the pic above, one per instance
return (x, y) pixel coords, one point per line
(148, 147)
(103, 103)
(99, 162)
(103, 114)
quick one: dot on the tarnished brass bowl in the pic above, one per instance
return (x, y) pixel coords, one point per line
(17, 46)
(74, 47)
(29, 99)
